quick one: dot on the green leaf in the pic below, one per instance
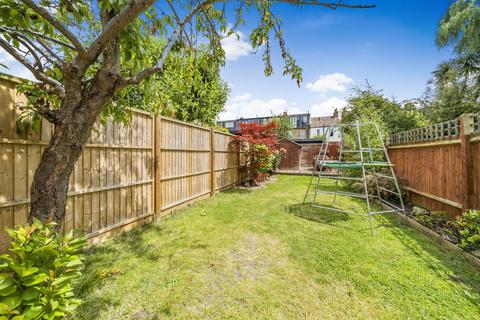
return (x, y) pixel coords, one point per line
(30, 294)
(39, 278)
(33, 312)
(12, 302)
(8, 291)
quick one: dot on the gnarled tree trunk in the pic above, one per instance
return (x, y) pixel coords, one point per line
(79, 113)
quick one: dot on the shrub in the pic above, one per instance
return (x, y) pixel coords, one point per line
(37, 276)
(258, 141)
(435, 220)
(467, 228)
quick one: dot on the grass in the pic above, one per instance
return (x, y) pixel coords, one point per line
(262, 255)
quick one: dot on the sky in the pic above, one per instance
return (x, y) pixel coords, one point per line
(392, 45)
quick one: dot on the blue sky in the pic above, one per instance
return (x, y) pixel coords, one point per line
(393, 46)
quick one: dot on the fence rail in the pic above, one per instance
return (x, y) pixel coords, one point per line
(126, 174)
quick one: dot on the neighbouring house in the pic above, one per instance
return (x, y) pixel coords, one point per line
(320, 125)
(300, 124)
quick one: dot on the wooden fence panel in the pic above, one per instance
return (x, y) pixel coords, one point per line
(125, 173)
(226, 160)
(441, 169)
(183, 167)
(110, 187)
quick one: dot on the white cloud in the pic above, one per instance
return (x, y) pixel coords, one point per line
(235, 46)
(241, 97)
(327, 107)
(330, 82)
(247, 107)
(15, 68)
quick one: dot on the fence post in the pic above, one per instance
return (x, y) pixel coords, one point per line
(212, 162)
(466, 129)
(158, 165)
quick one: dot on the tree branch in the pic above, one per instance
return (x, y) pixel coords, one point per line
(131, 11)
(57, 87)
(41, 35)
(156, 68)
(331, 5)
(57, 24)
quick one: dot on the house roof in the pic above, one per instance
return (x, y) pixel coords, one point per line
(317, 122)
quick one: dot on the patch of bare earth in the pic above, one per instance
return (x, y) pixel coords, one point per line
(255, 279)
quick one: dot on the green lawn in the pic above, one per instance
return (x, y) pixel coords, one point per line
(262, 255)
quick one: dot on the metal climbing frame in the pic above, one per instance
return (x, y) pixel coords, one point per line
(354, 163)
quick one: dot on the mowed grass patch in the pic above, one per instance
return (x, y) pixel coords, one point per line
(261, 254)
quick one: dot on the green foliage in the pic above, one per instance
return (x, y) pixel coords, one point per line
(189, 88)
(371, 105)
(435, 220)
(467, 228)
(37, 276)
(284, 126)
(455, 87)
(263, 158)
(461, 26)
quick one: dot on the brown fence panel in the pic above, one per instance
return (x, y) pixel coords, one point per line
(440, 169)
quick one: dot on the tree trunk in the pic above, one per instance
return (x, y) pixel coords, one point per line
(79, 113)
(50, 184)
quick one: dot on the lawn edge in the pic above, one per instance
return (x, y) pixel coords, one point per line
(474, 261)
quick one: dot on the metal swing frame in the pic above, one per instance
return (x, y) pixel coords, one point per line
(371, 157)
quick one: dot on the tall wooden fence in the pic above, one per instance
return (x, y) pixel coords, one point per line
(126, 174)
(440, 164)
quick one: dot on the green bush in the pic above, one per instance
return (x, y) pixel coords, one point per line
(467, 228)
(435, 220)
(37, 276)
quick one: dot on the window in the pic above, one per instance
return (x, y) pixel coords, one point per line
(230, 124)
(302, 134)
(293, 122)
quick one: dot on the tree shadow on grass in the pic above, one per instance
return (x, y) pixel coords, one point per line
(102, 260)
(237, 190)
(441, 261)
(306, 211)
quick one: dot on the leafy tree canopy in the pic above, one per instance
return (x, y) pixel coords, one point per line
(189, 88)
(368, 104)
(455, 87)
(284, 126)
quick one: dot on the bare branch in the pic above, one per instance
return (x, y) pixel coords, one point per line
(56, 86)
(59, 61)
(57, 24)
(30, 50)
(179, 22)
(41, 35)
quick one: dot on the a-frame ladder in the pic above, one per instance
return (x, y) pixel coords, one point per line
(366, 156)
